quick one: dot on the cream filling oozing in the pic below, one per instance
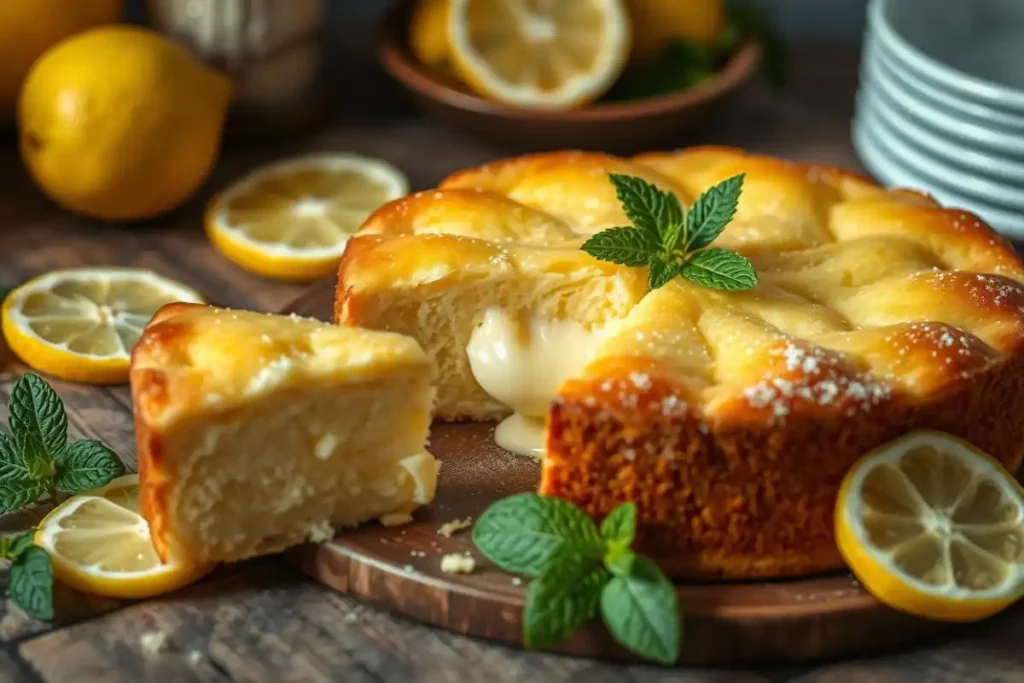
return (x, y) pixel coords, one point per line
(522, 362)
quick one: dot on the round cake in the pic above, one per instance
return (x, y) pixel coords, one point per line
(729, 417)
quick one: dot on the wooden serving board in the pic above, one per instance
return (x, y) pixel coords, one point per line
(399, 568)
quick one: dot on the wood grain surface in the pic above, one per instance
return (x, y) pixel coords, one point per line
(263, 620)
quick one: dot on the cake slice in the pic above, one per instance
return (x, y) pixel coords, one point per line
(257, 432)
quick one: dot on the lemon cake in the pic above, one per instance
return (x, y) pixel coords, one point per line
(730, 418)
(257, 432)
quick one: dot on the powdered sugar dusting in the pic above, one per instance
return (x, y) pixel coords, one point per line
(983, 291)
(817, 379)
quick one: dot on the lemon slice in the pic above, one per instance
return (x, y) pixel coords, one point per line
(934, 527)
(291, 220)
(544, 55)
(428, 32)
(100, 544)
(81, 324)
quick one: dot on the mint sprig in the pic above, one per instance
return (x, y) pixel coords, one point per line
(673, 243)
(36, 461)
(31, 583)
(36, 458)
(31, 575)
(580, 571)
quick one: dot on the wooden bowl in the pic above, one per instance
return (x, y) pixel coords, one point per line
(613, 126)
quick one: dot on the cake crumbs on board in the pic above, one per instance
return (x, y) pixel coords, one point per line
(457, 563)
(450, 528)
(153, 642)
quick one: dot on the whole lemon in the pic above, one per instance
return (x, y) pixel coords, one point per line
(656, 22)
(119, 123)
(29, 27)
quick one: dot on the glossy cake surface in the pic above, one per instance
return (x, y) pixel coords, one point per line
(729, 417)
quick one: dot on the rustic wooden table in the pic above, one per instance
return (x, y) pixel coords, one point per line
(263, 620)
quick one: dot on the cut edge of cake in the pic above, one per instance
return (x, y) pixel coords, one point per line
(258, 432)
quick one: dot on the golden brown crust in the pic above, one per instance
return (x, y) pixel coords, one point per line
(149, 400)
(732, 417)
(467, 213)
(744, 496)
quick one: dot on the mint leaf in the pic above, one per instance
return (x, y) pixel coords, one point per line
(86, 465)
(31, 584)
(680, 66)
(38, 420)
(563, 598)
(17, 493)
(620, 561)
(650, 209)
(711, 212)
(20, 543)
(619, 531)
(660, 273)
(720, 269)
(12, 465)
(625, 246)
(620, 524)
(670, 244)
(673, 238)
(522, 534)
(641, 611)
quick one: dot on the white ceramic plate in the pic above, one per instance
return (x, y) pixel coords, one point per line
(933, 133)
(877, 63)
(971, 47)
(972, 135)
(893, 173)
(882, 126)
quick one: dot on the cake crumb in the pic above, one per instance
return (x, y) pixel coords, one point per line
(396, 519)
(448, 529)
(457, 564)
(153, 642)
(320, 531)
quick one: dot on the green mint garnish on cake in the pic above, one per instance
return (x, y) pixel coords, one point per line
(671, 242)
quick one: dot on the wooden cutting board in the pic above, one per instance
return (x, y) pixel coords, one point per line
(399, 568)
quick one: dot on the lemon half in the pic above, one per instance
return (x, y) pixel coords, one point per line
(553, 55)
(934, 527)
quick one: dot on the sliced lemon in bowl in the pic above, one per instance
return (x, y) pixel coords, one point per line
(428, 32)
(934, 527)
(291, 220)
(542, 55)
(81, 324)
(99, 543)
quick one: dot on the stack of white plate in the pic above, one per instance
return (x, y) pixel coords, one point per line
(941, 103)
